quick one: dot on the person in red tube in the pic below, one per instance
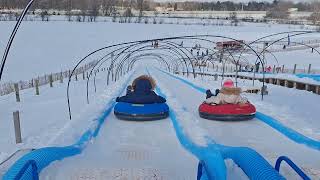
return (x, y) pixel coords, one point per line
(227, 95)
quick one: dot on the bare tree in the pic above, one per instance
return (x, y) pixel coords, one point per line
(83, 6)
(280, 11)
(17, 16)
(78, 17)
(146, 20)
(114, 17)
(315, 16)
(154, 20)
(94, 10)
(44, 15)
(69, 9)
(127, 14)
(108, 7)
(234, 18)
(175, 6)
(11, 16)
(140, 6)
(44, 6)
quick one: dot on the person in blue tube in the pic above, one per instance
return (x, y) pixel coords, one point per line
(142, 92)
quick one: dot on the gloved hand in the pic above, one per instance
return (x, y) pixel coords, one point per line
(209, 94)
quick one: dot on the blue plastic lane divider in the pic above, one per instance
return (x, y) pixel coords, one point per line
(251, 162)
(44, 156)
(290, 133)
(210, 155)
(275, 124)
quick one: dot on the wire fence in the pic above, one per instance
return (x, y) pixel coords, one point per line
(8, 88)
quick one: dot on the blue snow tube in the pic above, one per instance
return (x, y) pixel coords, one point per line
(141, 112)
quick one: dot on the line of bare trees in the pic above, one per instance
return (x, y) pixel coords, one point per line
(79, 10)
(88, 10)
(108, 6)
(280, 10)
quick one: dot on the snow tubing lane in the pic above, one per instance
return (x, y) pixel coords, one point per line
(44, 156)
(275, 124)
(141, 112)
(227, 112)
(250, 161)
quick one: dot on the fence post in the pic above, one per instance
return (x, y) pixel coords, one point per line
(76, 76)
(16, 89)
(51, 80)
(318, 89)
(37, 86)
(83, 75)
(274, 69)
(61, 77)
(216, 77)
(17, 129)
(307, 87)
(295, 85)
(309, 69)
(294, 68)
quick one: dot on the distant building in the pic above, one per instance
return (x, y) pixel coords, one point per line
(210, 14)
(291, 10)
(230, 45)
(159, 9)
(170, 9)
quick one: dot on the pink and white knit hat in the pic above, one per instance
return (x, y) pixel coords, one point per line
(228, 83)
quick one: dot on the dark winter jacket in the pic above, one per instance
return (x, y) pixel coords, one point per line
(142, 94)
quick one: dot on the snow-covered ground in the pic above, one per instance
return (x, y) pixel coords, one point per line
(45, 47)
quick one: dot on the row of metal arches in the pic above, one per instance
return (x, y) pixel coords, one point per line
(177, 57)
(172, 56)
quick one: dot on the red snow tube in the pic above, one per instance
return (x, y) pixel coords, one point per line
(227, 112)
